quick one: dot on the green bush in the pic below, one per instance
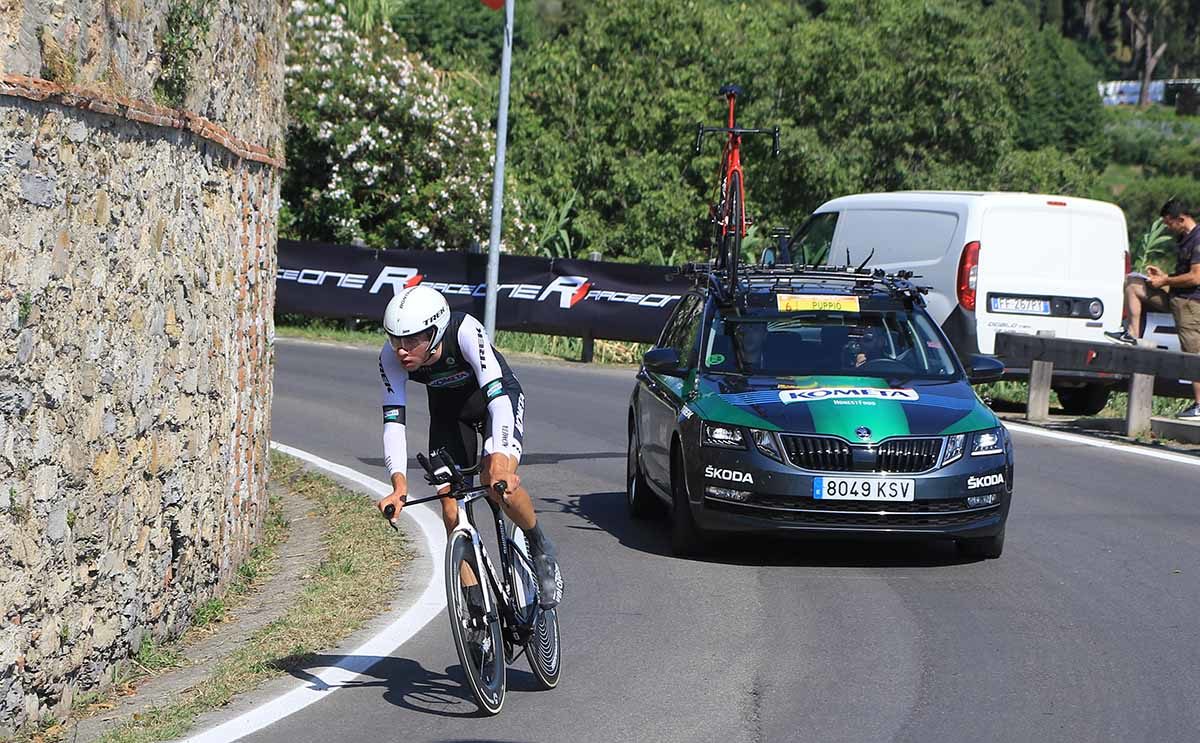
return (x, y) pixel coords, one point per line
(377, 150)
(1143, 199)
(1062, 108)
(1047, 170)
(1174, 158)
(1130, 144)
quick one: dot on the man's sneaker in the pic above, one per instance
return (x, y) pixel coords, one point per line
(1191, 414)
(550, 582)
(1122, 336)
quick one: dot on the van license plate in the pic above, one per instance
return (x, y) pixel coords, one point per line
(862, 488)
(1020, 305)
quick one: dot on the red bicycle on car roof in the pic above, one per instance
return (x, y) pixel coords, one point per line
(728, 214)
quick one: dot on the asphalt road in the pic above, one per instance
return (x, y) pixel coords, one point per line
(1085, 630)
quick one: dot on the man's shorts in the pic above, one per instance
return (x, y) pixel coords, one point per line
(456, 420)
(1185, 311)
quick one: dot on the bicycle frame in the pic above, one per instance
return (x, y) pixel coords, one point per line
(731, 157)
(516, 630)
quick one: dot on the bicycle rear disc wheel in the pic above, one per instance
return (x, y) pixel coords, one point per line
(478, 641)
(731, 245)
(542, 648)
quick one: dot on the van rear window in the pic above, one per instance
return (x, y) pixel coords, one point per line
(900, 238)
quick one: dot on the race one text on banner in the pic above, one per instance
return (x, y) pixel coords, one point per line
(617, 301)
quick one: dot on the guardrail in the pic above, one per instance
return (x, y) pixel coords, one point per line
(1043, 352)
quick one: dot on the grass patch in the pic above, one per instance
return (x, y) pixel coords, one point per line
(1017, 393)
(350, 586)
(553, 346)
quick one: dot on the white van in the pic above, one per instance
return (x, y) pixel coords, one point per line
(995, 262)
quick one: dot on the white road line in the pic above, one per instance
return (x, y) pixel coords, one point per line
(1075, 438)
(430, 604)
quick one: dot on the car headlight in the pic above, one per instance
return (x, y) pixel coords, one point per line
(987, 442)
(767, 444)
(722, 436)
(954, 448)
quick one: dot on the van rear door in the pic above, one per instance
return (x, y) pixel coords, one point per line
(921, 239)
(1050, 263)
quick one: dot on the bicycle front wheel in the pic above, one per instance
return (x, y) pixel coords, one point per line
(542, 648)
(477, 638)
(731, 244)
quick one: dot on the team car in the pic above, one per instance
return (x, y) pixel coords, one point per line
(819, 401)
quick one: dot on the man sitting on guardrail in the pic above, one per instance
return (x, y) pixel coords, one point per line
(1178, 292)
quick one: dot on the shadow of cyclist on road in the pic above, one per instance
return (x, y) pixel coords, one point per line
(405, 682)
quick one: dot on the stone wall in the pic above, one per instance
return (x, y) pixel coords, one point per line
(136, 292)
(117, 47)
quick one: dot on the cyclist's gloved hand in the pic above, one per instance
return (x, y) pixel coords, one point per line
(396, 500)
(501, 467)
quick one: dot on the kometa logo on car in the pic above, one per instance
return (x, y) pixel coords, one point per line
(901, 394)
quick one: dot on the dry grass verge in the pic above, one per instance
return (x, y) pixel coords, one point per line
(353, 583)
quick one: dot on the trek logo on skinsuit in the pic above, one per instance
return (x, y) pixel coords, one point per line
(520, 422)
(731, 475)
(450, 380)
(383, 375)
(482, 355)
(987, 481)
(848, 393)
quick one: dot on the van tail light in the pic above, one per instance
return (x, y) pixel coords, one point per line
(968, 275)
(1128, 263)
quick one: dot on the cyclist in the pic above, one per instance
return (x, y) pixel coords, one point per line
(471, 388)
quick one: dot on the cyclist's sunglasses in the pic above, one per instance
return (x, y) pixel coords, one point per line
(412, 342)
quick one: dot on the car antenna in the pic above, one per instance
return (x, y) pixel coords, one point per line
(847, 256)
(864, 263)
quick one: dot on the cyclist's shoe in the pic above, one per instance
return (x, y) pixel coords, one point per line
(474, 596)
(1121, 336)
(550, 582)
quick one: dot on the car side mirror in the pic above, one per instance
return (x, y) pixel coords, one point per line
(985, 369)
(663, 361)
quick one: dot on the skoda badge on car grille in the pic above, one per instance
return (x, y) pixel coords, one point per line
(863, 433)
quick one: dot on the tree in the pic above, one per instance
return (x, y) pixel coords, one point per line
(377, 150)
(1147, 16)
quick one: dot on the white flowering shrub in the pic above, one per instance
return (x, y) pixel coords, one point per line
(376, 150)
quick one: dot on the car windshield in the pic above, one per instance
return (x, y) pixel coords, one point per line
(886, 342)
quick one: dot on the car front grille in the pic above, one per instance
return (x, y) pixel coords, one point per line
(908, 455)
(820, 453)
(829, 454)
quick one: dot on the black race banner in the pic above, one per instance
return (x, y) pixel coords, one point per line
(617, 301)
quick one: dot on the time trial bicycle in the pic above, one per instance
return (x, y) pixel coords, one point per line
(510, 619)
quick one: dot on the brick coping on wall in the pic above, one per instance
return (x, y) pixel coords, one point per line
(90, 99)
